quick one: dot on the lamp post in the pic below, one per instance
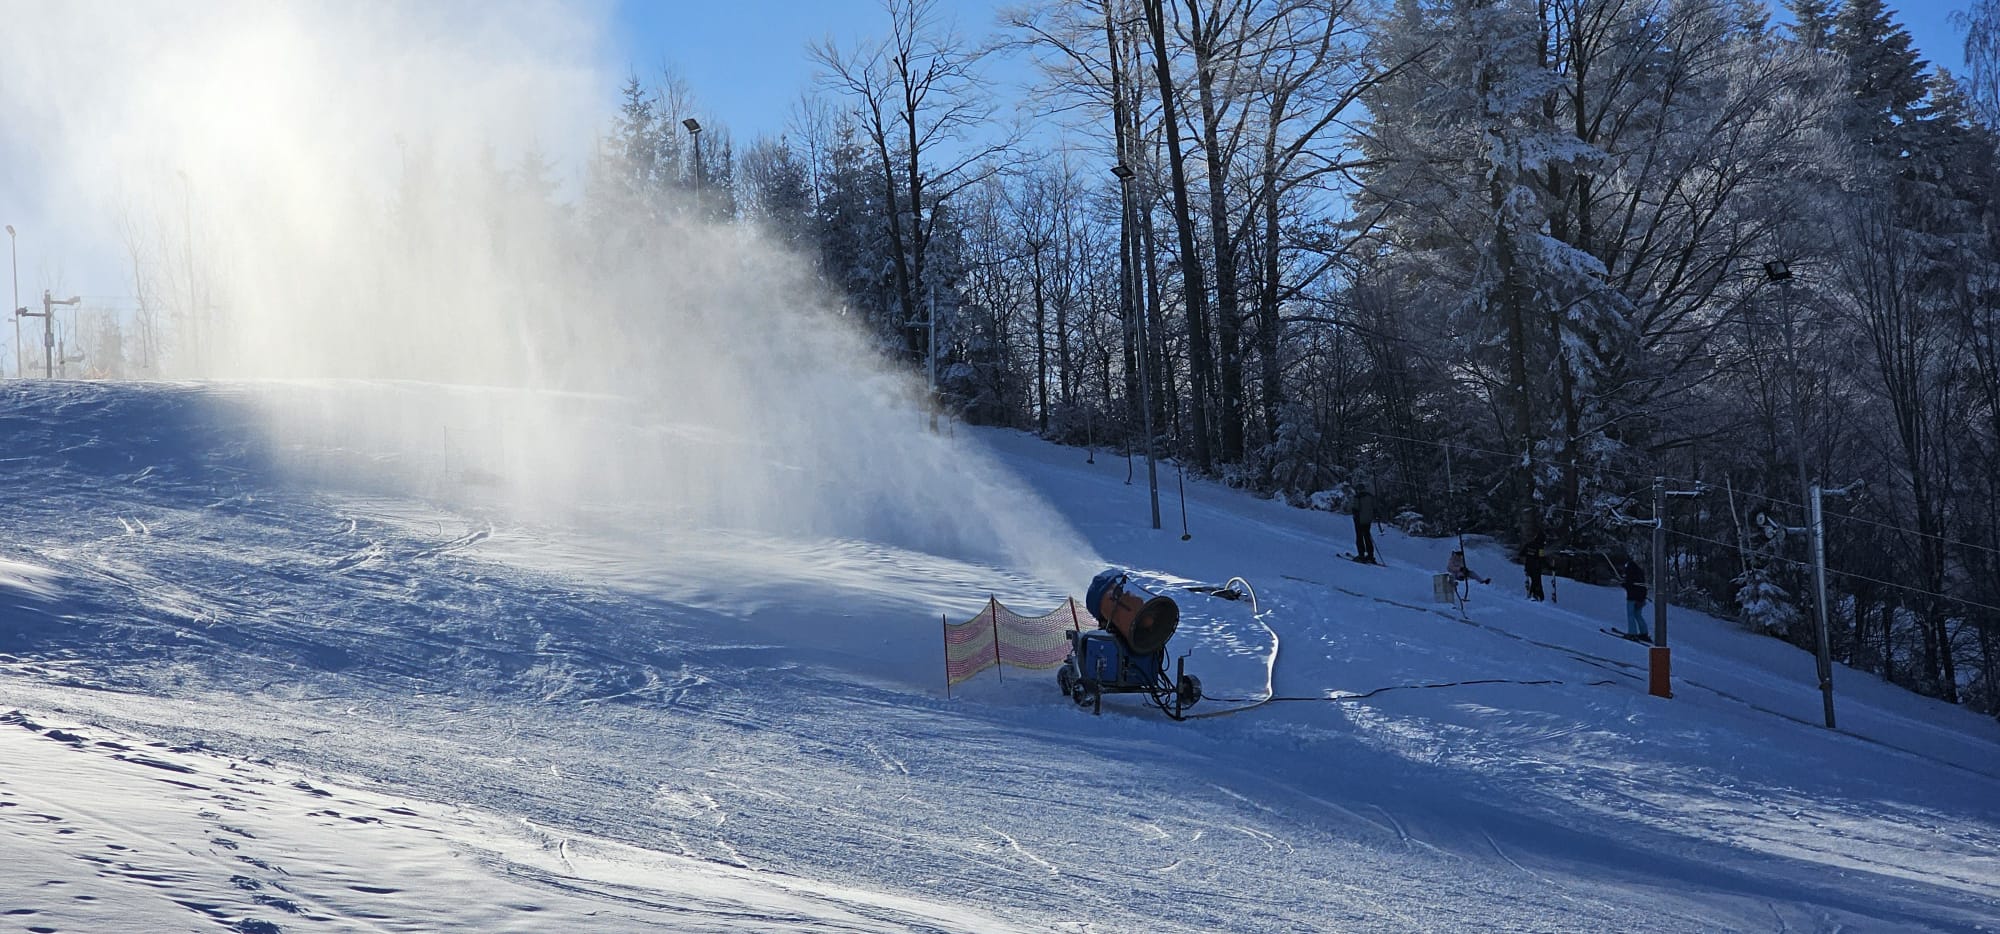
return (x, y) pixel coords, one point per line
(694, 131)
(1779, 271)
(14, 251)
(1131, 302)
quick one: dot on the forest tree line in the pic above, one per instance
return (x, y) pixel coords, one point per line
(1503, 261)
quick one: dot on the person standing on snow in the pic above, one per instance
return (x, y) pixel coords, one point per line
(1364, 523)
(1534, 562)
(1635, 598)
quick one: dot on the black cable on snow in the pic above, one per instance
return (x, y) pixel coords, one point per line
(1336, 698)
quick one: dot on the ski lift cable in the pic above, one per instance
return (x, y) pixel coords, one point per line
(1807, 565)
(1532, 458)
(1897, 528)
(1953, 542)
(1751, 494)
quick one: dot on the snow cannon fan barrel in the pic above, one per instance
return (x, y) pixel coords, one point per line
(1143, 620)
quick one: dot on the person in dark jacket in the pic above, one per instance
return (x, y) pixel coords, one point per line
(1364, 523)
(1635, 598)
(1534, 561)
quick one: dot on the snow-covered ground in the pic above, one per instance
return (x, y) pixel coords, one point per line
(256, 687)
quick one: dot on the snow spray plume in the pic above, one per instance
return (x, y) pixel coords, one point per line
(369, 203)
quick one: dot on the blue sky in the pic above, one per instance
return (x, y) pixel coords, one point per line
(1929, 24)
(745, 60)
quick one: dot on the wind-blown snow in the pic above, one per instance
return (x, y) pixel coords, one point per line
(341, 196)
(246, 684)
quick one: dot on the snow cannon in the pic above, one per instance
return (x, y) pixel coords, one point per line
(1142, 619)
(1127, 653)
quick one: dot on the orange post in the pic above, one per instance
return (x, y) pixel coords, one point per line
(1661, 682)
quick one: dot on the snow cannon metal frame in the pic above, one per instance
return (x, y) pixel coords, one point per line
(1126, 654)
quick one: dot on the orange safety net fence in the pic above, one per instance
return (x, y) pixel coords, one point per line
(999, 636)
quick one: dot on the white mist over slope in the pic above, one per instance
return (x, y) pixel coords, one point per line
(394, 193)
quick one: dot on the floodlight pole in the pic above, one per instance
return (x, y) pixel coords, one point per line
(1132, 306)
(1780, 271)
(694, 131)
(14, 251)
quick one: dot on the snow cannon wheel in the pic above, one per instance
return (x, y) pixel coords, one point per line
(1082, 694)
(1189, 690)
(1065, 680)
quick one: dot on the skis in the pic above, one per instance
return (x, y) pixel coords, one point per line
(1642, 640)
(1357, 559)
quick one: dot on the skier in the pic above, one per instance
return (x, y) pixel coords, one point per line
(1459, 571)
(1635, 598)
(1534, 562)
(1364, 523)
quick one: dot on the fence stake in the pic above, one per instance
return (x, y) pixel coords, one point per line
(993, 603)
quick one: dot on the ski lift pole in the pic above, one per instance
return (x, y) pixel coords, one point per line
(1659, 659)
(1818, 525)
(1451, 500)
(1659, 560)
(1182, 468)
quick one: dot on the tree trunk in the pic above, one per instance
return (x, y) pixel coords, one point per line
(1199, 363)
(913, 336)
(1889, 641)
(1041, 347)
(1121, 129)
(1228, 314)
(1511, 308)
(1165, 379)
(1268, 325)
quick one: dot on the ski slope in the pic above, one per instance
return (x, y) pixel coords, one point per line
(259, 681)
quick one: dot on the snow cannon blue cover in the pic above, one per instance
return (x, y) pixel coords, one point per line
(1100, 658)
(1143, 620)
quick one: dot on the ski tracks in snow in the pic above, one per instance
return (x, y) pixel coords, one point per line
(1019, 850)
